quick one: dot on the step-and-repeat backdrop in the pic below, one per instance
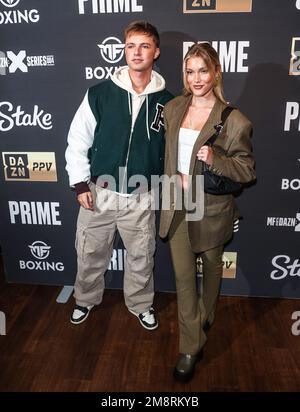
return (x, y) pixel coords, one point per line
(52, 51)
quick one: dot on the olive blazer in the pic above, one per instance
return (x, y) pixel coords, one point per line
(232, 157)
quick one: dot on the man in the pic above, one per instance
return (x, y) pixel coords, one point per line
(117, 133)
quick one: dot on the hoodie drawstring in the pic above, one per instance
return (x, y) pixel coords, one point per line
(129, 105)
(147, 117)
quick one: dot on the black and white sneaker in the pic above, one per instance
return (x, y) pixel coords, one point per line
(80, 313)
(147, 319)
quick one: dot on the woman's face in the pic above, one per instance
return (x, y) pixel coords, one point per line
(199, 78)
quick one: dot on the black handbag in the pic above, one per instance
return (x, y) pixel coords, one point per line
(215, 184)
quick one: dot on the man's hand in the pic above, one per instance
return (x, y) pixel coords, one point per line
(86, 200)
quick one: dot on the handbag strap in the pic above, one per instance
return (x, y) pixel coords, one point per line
(225, 113)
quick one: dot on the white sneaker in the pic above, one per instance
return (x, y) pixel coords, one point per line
(80, 313)
(147, 319)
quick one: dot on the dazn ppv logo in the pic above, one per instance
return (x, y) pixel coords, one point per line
(29, 166)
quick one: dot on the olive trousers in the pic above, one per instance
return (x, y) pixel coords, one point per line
(194, 309)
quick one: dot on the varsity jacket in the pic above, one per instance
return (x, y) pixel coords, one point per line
(114, 128)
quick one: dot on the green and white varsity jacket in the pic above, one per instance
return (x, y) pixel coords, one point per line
(115, 127)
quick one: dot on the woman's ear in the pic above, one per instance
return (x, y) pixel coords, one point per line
(217, 72)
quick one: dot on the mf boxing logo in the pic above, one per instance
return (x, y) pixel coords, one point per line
(217, 6)
(109, 6)
(284, 267)
(12, 16)
(11, 117)
(290, 222)
(229, 265)
(233, 55)
(40, 251)
(29, 166)
(295, 57)
(10, 62)
(112, 52)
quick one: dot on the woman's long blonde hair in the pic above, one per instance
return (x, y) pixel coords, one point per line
(211, 59)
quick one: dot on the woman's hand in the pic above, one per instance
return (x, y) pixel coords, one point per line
(86, 200)
(206, 155)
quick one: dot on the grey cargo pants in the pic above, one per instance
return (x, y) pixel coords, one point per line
(133, 218)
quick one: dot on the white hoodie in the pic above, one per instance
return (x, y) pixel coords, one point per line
(122, 79)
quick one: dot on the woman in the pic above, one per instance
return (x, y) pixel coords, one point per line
(190, 122)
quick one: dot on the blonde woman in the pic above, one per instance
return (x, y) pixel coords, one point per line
(190, 122)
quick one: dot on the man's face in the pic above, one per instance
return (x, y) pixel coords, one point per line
(140, 51)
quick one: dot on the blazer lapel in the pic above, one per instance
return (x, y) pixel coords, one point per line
(177, 119)
(207, 131)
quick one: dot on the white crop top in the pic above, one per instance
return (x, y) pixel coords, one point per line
(186, 141)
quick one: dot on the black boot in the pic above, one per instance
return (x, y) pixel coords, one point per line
(185, 366)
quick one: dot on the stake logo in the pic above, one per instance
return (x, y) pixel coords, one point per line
(29, 166)
(11, 117)
(283, 269)
(217, 6)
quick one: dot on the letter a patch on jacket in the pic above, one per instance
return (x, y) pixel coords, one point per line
(159, 118)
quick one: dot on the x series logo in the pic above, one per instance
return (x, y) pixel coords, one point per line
(17, 61)
(14, 62)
